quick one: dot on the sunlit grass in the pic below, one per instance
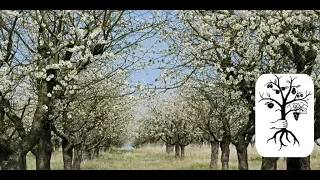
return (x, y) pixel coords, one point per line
(154, 158)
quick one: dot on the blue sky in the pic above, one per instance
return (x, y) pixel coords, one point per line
(150, 73)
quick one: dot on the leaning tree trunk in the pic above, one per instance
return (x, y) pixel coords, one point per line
(67, 153)
(169, 148)
(214, 154)
(45, 148)
(182, 148)
(77, 158)
(177, 150)
(225, 152)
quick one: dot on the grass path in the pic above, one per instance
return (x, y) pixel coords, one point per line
(155, 158)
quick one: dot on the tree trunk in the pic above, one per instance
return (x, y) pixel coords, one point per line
(214, 155)
(96, 151)
(298, 163)
(45, 148)
(303, 163)
(177, 150)
(225, 151)
(67, 153)
(16, 161)
(182, 148)
(242, 157)
(269, 163)
(169, 148)
(77, 158)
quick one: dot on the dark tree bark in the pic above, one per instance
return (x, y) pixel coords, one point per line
(298, 163)
(242, 157)
(15, 154)
(182, 148)
(67, 153)
(2, 113)
(302, 59)
(169, 148)
(45, 148)
(177, 150)
(67, 147)
(225, 151)
(269, 163)
(96, 151)
(77, 158)
(16, 161)
(107, 145)
(214, 154)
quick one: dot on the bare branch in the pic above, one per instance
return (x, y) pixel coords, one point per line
(271, 99)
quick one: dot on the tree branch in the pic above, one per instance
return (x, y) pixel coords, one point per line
(58, 133)
(278, 78)
(302, 99)
(271, 99)
(289, 88)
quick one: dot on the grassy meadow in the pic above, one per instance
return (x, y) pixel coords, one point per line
(154, 158)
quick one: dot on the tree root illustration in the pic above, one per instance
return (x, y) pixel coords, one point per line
(283, 132)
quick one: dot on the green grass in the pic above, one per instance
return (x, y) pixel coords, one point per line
(154, 158)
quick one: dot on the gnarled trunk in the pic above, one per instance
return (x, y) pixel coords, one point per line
(225, 151)
(45, 148)
(16, 161)
(214, 154)
(67, 153)
(269, 163)
(242, 157)
(77, 158)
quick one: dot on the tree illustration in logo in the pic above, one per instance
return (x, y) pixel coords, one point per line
(297, 104)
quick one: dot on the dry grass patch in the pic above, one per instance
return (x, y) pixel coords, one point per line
(154, 158)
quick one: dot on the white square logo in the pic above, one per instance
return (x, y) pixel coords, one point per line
(284, 115)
